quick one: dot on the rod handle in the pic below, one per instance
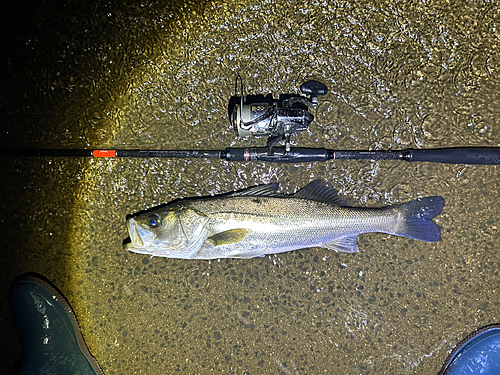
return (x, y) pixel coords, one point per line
(459, 155)
(279, 154)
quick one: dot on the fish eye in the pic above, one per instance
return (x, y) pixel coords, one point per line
(153, 220)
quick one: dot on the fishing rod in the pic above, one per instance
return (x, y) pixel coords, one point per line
(461, 155)
(278, 119)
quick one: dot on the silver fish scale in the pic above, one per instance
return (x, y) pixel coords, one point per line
(283, 224)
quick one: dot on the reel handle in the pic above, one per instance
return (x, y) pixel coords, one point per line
(313, 89)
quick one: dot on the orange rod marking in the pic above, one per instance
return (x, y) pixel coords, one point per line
(104, 153)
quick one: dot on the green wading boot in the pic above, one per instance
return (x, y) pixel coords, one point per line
(478, 353)
(49, 331)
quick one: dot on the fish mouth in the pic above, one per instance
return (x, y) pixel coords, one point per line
(135, 239)
(139, 237)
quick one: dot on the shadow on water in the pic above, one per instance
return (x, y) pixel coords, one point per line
(62, 67)
(158, 75)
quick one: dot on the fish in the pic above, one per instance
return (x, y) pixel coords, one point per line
(260, 221)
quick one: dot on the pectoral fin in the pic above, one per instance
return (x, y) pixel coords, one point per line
(345, 244)
(228, 237)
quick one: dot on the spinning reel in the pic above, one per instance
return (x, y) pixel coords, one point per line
(259, 115)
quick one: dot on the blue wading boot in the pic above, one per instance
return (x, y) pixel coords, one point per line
(478, 353)
(48, 329)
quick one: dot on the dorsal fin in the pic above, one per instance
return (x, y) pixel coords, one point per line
(318, 191)
(269, 190)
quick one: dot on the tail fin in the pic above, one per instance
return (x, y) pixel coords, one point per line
(419, 214)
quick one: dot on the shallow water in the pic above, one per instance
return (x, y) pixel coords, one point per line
(146, 75)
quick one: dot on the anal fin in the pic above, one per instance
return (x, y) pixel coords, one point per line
(344, 244)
